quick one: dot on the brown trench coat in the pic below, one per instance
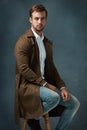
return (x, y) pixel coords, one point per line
(28, 76)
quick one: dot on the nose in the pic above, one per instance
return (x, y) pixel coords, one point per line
(39, 21)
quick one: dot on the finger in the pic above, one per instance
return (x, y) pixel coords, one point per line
(67, 97)
(62, 94)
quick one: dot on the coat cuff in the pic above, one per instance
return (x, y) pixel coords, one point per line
(41, 81)
(62, 88)
(45, 84)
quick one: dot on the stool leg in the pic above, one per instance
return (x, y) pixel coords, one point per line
(24, 125)
(47, 122)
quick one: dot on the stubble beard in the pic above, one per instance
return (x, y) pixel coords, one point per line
(39, 30)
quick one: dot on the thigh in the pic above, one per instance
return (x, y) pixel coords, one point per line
(46, 93)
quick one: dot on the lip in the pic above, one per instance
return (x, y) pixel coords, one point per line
(40, 25)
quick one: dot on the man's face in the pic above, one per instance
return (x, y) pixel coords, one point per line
(38, 20)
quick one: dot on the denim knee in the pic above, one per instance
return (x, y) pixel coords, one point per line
(75, 103)
(55, 98)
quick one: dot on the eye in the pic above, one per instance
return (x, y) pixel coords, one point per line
(43, 18)
(36, 18)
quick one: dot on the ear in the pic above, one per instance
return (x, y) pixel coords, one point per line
(30, 20)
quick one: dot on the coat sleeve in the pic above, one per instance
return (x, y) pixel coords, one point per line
(22, 53)
(58, 80)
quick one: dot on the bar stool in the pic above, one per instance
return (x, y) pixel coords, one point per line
(57, 111)
(46, 120)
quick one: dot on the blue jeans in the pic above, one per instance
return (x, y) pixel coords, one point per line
(51, 99)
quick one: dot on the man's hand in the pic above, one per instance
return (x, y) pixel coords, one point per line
(65, 94)
(52, 87)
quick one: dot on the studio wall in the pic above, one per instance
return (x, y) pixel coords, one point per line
(67, 28)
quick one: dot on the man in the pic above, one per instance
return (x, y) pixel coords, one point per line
(39, 88)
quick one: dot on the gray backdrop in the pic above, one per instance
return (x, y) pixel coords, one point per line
(67, 28)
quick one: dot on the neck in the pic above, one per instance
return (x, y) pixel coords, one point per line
(39, 33)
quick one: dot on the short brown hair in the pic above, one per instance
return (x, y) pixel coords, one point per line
(37, 8)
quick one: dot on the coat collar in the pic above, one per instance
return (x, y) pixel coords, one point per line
(30, 34)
